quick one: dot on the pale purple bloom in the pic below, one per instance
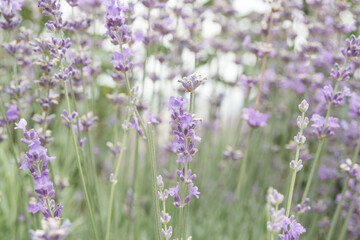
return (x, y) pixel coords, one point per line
(193, 191)
(174, 193)
(135, 124)
(318, 125)
(292, 229)
(296, 166)
(12, 113)
(354, 106)
(121, 61)
(36, 160)
(303, 207)
(335, 98)
(190, 83)
(153, 120)
(254, 117)
(275, 222)
(245, 81)
(274, 197)
(352, 48)
(51, 230)
(168, 233)
(164, 217)
(303, 106)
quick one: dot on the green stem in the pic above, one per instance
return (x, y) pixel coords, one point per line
(293, 178)
(191, 104)
(111, 199)
(317, 159)
(243, 166)
(151, 147)
(73, 136)
(241, 121)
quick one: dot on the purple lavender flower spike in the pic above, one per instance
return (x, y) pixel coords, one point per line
(36, 160)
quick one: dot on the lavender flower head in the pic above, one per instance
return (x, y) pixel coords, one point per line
(320, 128)
(36, 160)
(190, 83)
(254, 118)
(352, 48)
(9, 10)
(121, 61)
(12, 113)
(183, 125)
(292, 229)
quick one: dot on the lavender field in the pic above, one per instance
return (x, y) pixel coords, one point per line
(179, 119)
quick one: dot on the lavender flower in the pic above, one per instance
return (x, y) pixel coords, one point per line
(354, 106)
(303, 207)
(9, 10)
(51, 230)
(36, 160)
(274, 197)
(183, 125)
(352, 48)
(319, 122)
(121, 61)
(190, 83)
(292, 229)
(337, 98)
(12, 113)
(254, 118)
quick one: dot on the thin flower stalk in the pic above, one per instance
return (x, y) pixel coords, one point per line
(317, 159)
(78, 161)
(340, 203)
(296, 165)
(242, 177)
(113, 179)
(151, 147)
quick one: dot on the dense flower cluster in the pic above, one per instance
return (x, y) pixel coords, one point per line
(10, 12)
(56, 56)
(37, 160)
(183, 125)
(278, 221)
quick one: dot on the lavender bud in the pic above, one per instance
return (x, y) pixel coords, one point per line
(296, 166)
(303, 106)
(300, 139)
(190, 83)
